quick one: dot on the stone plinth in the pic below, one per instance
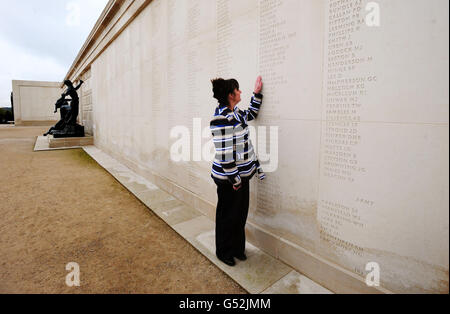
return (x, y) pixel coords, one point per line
(70, 142)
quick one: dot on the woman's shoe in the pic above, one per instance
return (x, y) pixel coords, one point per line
(242, 257)
(229, 261)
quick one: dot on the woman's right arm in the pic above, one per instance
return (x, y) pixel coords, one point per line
(258, 85)
(255, 103)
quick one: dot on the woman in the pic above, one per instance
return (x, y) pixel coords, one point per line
(234, 166)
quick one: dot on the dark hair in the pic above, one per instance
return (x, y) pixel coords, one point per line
(222, 88)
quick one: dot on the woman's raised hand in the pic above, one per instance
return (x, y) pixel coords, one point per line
(258, 85)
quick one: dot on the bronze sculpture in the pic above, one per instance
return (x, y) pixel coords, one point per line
(67, 126)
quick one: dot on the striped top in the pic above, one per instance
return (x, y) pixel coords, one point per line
(235, 157)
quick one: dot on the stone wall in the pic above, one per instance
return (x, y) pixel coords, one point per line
(353, 133)
(34, 102)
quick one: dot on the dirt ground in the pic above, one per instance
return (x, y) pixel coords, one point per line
(59, 207)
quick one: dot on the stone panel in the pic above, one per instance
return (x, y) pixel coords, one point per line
(34, 102)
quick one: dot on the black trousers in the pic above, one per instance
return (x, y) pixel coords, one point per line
(231, 218)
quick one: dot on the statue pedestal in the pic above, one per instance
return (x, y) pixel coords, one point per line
(69, 141)
(70, 131)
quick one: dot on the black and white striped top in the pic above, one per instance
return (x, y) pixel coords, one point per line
(235, 156)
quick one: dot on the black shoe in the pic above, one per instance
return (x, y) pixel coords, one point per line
(241, 257)
(228, 260)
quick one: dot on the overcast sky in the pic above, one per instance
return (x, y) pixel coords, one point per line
(39, 39)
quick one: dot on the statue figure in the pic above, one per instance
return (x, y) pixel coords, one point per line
(67, 126)
(63, 105)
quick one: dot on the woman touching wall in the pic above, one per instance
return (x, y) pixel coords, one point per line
(234, 166)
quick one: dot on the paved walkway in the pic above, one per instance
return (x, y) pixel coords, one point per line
(261, 273)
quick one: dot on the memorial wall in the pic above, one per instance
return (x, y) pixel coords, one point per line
(34, 102)
(353, 133)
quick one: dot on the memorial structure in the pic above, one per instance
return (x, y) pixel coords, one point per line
(353, 133)
(33, 102)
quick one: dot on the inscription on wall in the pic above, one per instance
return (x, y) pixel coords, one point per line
(347, 84)
(224, 39)
(346, 89)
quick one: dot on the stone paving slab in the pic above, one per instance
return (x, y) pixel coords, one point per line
(261, 273)
(295, 283)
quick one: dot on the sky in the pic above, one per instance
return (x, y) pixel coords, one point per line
(39, 40)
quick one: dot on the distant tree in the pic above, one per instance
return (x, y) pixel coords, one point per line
(2, 116)
(5, 115)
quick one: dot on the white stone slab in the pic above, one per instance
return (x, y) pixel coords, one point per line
(35, 101)
(295, 283)
(43, 145)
